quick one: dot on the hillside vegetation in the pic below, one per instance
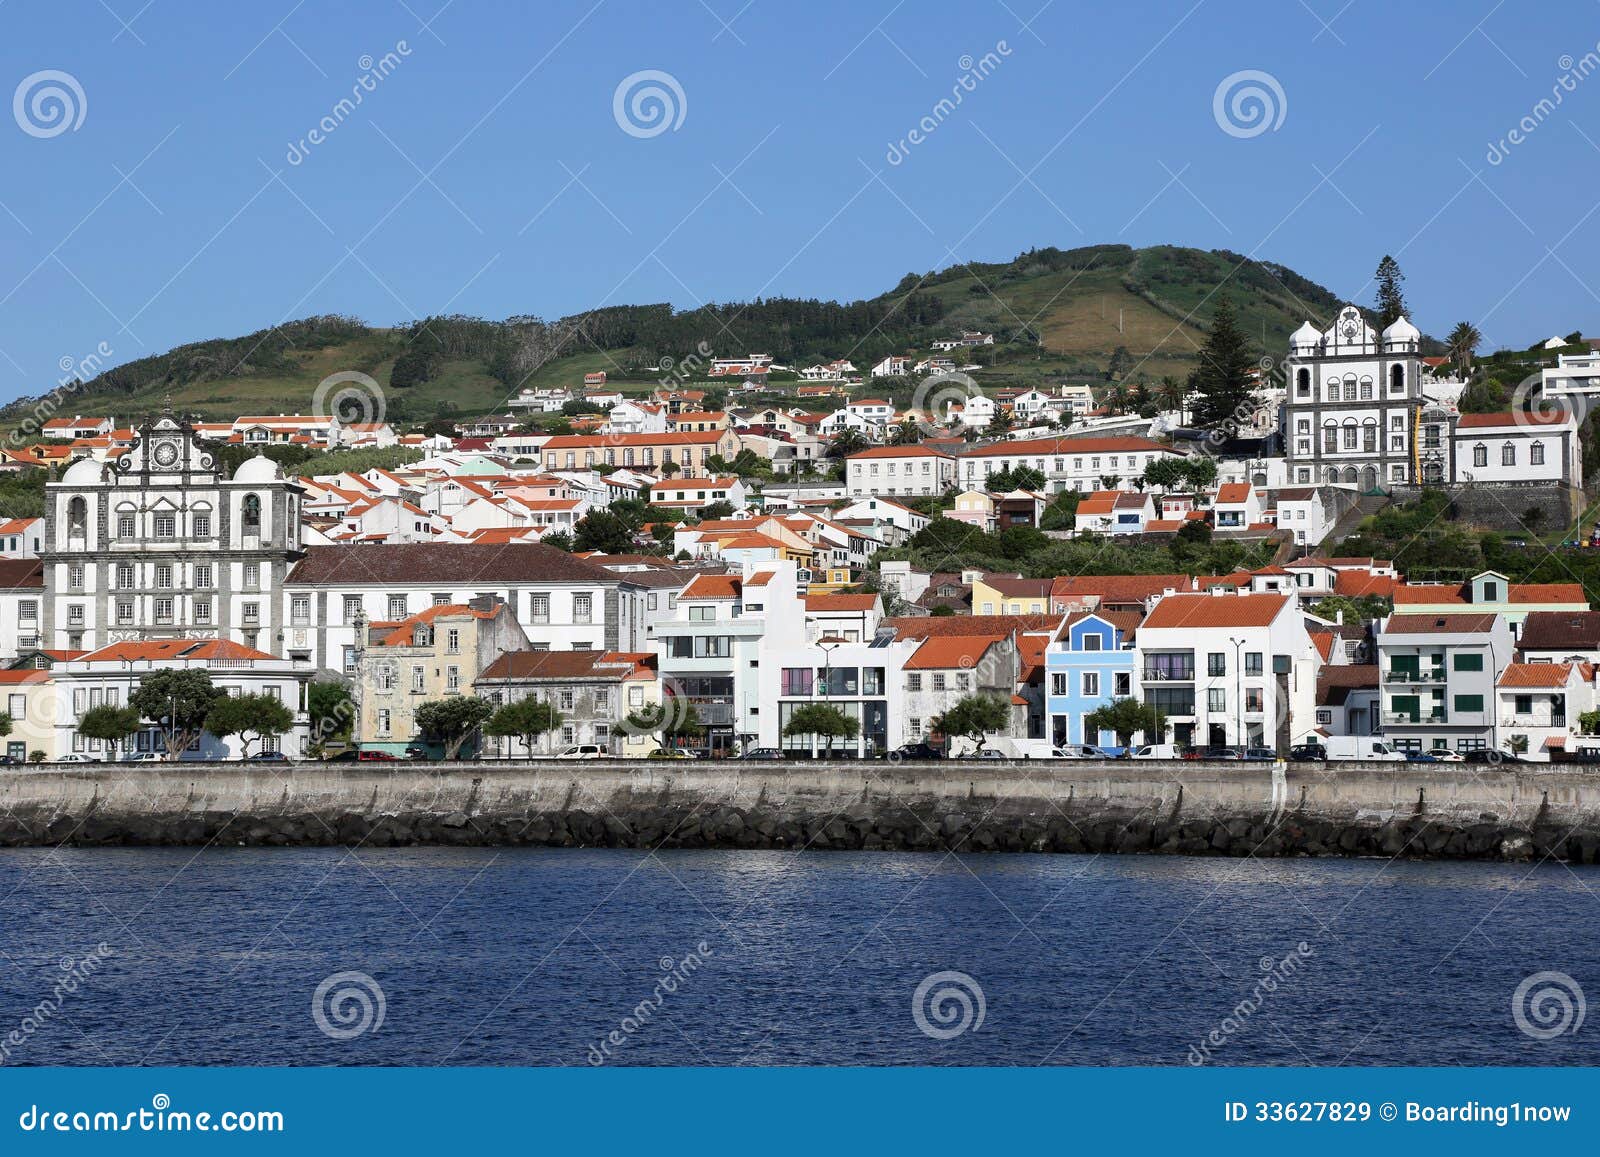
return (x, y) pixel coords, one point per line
(1057, 315)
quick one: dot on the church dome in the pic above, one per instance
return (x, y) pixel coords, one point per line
(1401, 331)
(84, 472)
(258, 469)
(1307, 334)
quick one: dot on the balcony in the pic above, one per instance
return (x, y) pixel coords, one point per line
(1406, 719)
(1534, 719)
(1170, 673)
(1400, 675)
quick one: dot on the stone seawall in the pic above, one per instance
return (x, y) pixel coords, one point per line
(1388, 809)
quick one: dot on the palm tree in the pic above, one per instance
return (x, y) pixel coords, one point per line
(1172, 392)
(1463, 341)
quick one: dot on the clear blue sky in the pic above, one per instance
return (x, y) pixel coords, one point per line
(158, 220)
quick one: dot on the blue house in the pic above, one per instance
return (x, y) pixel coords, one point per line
(1087, 665)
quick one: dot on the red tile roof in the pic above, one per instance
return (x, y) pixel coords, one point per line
(1551, 417)
(1542, 674)
(947, 652)
(1194, 611)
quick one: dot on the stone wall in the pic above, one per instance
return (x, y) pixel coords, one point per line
(1115, 806)
(1500, 506)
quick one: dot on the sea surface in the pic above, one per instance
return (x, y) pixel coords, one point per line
(573, 957)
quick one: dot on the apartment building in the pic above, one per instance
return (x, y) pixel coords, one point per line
(1440, 676)
(899, 471)
(594, 691)
(1089, 663)
(1082, 464)
(1539, 705)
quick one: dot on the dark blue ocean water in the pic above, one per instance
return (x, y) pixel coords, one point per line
(534, 957)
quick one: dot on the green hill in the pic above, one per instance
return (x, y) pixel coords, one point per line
(1057, 315)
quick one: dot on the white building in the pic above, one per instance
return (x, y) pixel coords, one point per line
(1352, 402)
(161, 545)
(1081, 464)
(899, 471)
(1515, 447)
(1229, 668)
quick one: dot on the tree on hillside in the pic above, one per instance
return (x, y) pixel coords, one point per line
(452, 721)
(260, 716)
(1391, 302)
(180, 701)
(108, 723)
(1022, 478)
(975, 717)
(1126, 718)
(824, 721)
(1171, 393)
(526, 719)
(1222, 379)
(1463, 341)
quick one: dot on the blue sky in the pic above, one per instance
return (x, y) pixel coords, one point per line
(486, 173)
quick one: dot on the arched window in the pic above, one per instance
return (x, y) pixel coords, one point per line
(1536, 454)
(252, 514)
(1350, 475)
(1330, 437)
(1302, 381)
(1480, 455)
(77, 516)
(1397, 379)
(1508, 454)
(1333, 474)
(1369, 436)
(1349, 387)
(1432, 472)
(1351, 437)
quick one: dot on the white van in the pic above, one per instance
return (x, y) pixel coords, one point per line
(1157, 751)
(1362, 747)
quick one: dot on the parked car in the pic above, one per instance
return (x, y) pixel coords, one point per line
(915, 751)
(75, 758)
(1215, 751)
(354, 755)
(1259, 754)
(1158, 751)
(764, 754)
(671, 753)
(1490, 755)
(582, 751)
(268, 757)
(1077, 751)
(1308, 753)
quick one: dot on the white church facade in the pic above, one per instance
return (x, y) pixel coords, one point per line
(160, 545)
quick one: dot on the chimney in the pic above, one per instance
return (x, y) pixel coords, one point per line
(1338, 617)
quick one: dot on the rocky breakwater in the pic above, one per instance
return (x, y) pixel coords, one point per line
(1224, 809)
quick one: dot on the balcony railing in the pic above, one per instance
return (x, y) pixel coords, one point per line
(1401, 675)
(1421, 718)
(1532, 719)
(1168, 674)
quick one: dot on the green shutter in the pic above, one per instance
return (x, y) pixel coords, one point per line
(1464, 662)
(1469, 703)
(1408, 705)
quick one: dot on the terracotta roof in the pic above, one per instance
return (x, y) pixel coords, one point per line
(1323, 642)
(1194, 611)
(600, 441)
(713, 586)
(1019, 588)
(1098, 502)
(1523, 593)
(208, 650)
(1542, 674)
(401, 634)
(16, 573)
(930, 626)
(841, 602)
(946, 652)
(1353, 584)
(1446, 624)
(555, 665)
(1560, 630)
(1117, 588)
(443, 563)
(1233, 493)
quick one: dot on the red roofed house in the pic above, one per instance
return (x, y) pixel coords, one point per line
(1081, 464)
(1539, 705)
(899, 471)
(1440, 670)
(1237, 506)
(1520, 446)
(1229, 668)
(1491, 592)
(694, 493)
(112, 673)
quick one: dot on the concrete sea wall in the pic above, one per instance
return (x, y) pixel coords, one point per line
(1421, 810)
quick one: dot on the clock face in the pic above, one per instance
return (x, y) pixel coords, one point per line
(165, 453)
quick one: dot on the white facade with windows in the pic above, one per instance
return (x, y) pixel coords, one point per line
(1352, 401)
(162, 545)
(1081, 464)
(899, 471)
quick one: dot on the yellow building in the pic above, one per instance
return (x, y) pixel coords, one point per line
(1010, 595)
(32, 706)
